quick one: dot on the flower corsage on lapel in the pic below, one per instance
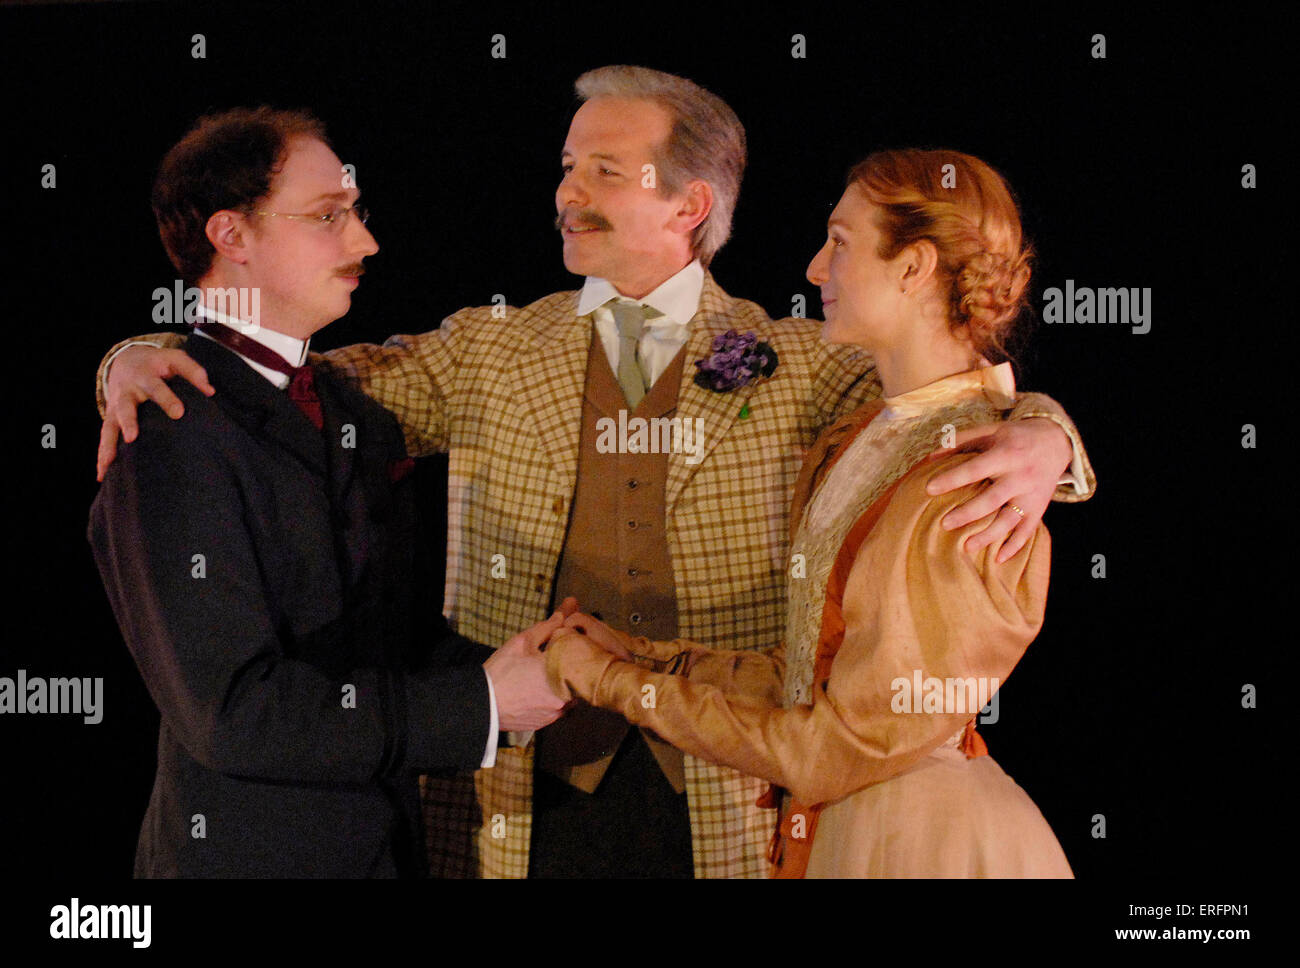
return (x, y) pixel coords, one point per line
(737, 360)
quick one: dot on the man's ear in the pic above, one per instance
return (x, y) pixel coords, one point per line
(695, 206)
(227, 231)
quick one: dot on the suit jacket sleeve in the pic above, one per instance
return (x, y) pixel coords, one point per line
(417, 378)
(913, 601)
(207, 643)
(846, 378)
(451, 648)
(171, 341)
(1084, 482)
(413, 377)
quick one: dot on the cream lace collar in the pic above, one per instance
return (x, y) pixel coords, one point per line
(995, 382)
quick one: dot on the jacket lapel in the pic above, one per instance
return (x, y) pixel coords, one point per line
(251, 401)
(718, 412)
(548, 380)
(356, 498)
(340, 451)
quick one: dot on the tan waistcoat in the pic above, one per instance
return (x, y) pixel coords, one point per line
(615, 559)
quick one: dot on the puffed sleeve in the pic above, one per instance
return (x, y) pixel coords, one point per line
(914, 602)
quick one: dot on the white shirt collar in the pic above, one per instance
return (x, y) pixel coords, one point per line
(677, 298)
(292, 349)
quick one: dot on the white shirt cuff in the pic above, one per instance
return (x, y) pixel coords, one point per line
(490, 752)
(1074, 475)
(521, 737)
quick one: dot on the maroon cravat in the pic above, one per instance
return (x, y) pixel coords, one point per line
(302, 384)
(302, 391)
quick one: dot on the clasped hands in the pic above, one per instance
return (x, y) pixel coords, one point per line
(525, 699)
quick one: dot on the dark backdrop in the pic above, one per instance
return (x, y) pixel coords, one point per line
(1129, 169)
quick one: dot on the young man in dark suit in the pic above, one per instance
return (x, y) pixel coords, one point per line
(258, 552)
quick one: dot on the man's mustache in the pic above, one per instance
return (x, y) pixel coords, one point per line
(356, 269)
(587, 218)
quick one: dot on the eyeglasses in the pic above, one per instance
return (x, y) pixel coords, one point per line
(334, 219)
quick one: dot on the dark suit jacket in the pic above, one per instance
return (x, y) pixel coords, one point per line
(260, 571)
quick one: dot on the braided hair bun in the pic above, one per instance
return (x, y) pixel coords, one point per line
(964, 207)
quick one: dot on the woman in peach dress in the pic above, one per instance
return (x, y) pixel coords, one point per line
(863, 720)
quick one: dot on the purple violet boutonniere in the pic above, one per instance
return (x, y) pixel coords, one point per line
(737, 360)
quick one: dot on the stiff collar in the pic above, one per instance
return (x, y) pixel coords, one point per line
(292, 349)
(677, 298)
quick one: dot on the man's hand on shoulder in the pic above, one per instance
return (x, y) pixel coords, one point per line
(1023, 460)
(138, 374)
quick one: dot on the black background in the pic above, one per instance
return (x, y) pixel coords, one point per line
(1129, 172)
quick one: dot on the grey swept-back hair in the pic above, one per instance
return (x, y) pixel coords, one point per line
(706, 141)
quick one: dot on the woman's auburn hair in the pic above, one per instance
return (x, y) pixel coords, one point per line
(966, 210)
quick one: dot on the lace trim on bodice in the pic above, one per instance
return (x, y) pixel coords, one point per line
(881, 454)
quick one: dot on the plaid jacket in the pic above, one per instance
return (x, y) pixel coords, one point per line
(500, 389)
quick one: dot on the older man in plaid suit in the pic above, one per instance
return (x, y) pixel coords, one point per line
(685, 539)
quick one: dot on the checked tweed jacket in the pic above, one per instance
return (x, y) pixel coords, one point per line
(500, 389)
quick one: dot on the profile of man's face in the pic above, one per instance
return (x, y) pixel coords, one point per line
(306, 269)
(613, 224)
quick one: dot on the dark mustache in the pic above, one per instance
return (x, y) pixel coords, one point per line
(356, 269)
(587, 217)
